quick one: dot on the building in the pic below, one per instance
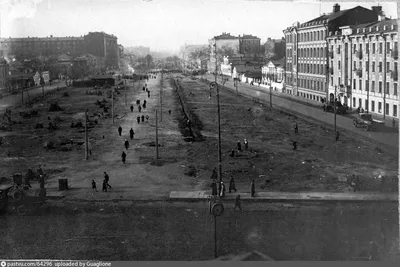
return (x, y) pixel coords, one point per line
(249, 45)
(307, 52)
(274, 49)
(103, 45)
(364, 66)
(185, 54)
(29, 47)
(4, 72)
(273, 74)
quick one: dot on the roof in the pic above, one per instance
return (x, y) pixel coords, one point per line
(248, 36)
(279, 62)
(371, 27)
(225, 36)
(241, 68)
(329, 17)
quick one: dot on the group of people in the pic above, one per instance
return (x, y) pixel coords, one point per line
(239, 147)
(106, 184)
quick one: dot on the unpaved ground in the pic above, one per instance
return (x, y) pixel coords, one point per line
(319, 164)
(185, 231)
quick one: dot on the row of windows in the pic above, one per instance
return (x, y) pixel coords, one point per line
(373, 88)
(379, 108)
(312, 68)
(309, 96)
(379, 50)
(373, 66)
(312, 52)
(316, 35)
(313, 85)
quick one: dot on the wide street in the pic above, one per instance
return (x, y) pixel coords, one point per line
(387, 136)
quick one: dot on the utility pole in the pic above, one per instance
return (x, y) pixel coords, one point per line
(125, 92)
(270, 96)
(334, 108)
(161, 90)
(219, 139)
(215, 237)
(156, 136)
(112, 105)
(86, 136)
(22, 92)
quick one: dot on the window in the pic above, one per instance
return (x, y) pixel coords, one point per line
(387, 109)
(354, 84)
(331, 80)
(367, 48)
(387, 66)
(354, 101)
(354, 48)
(373, 48)
(366, 104)
(338, 81)
(380, 87)
(394, 110)
(360, 50)
(339, 64)
(387, 47)
(360, 102)
(360, 85)
(380, 48)
(387, 88)
(380, 66)
(379, 107)
(367, 66)
(373, 106)
(373, 66)
(354, 65)
(395, 89)
(366, 85)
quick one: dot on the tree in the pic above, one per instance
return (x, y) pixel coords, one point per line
(225, 51)
(149, 61)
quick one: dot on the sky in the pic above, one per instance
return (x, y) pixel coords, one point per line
(163, 24)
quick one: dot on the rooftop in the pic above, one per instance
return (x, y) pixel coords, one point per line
(372, 27)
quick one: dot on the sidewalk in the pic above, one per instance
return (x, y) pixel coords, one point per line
(286, 196)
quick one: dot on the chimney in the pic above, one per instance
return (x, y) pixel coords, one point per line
(381, 16)
(377, 10)
(336, 8)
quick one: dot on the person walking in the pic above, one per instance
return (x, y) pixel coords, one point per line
(296, 129)
(142, 118)
(144, 88)
(94, 188)
(239, 146)
(123, 156)
(252, 189)
(148, 94)
(294, 145)
(337, 135)
(138, 119)
(104, 186)
(120, 130)
(140, 109)
(237, 203)
(131, 108)
(214, 188)
(232, 186)
(131, 133)
(107, 179)
(147, 118)
(144, 105)
(169, 112)
(223, 190)
(246, 144)
(126, 144)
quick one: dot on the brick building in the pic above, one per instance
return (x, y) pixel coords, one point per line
(103, 45)
(307, 52)
(364, 66)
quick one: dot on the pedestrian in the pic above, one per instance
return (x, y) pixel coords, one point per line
(246, 144)
(107, 179)
(40, 170)
(138, 119)
(120, 130)
(252, 189)
(148, 94)
(393, 123)
(144, 88)
(232, 186)
(294, 145)
(126, 144)
(324, 107)
(131, 108)
(214, 188)
(144, 105)
(41, 181)
(296, 129)
(169, 112)
(94, 188)
(237, 203)
(140, 109)
(131, 133)
(104, 186)
(239, 146)
(147, 118)
(123, 157)
(223, 190)
(144, 102)
(337, 135)
(138, 102)
(232, 153)
(142, 118)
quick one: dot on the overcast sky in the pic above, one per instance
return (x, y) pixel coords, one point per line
(162, 24)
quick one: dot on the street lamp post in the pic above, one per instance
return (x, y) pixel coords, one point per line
(86, 136)
(112, 105)
(22, 91)
(212, 86)
(334, 108)
(216, 209)
(125, 92)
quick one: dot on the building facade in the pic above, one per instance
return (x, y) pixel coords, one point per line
(364, 67)
(273, 74)
(274, 49)
(307, 59)
(103, 45)
(4, 72)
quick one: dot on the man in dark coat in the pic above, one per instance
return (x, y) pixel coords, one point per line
(337, 135)
(232, 186)
(126, 144)
(294, 145)
(147, 117)
(123, 156)
(142, 118)
(131, 108)
(144, 88)
(237, 203)
(140, 108)
(214, 188)
(94, 188)
(131, 133)
(296, 129)
(148, 94)
(107, 179)
(120, 130)
(138, 119)
(239, 146)
(104, 186)
(252, 189)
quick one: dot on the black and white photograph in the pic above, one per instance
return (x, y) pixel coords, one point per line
(198, 130)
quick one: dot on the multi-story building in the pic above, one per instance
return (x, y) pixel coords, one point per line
(307, 58)
(364, 66)
(104, 45)
(249, 45)
(274, 49)
(33, 46)
(3, 74)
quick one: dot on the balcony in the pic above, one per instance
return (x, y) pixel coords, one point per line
(359, 54)
(395, 54)
(394, 75)
(359, 72)
(330, 54)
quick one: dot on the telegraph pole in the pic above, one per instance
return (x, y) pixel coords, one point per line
(156, 136)
(219, 138)
(22, 92)
(112, 104)
(270, 96)
(125, 92)
(161, 89)
(86, 136)
(334, 108)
